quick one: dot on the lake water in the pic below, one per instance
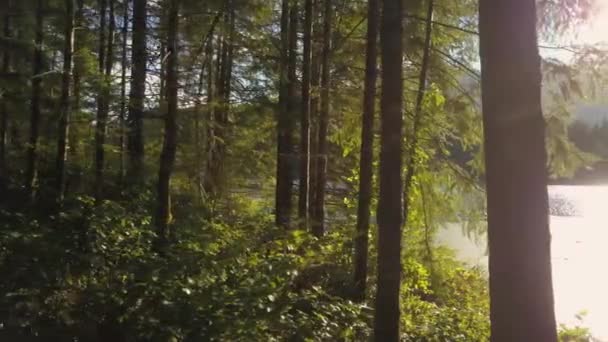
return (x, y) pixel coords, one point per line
(579, 231)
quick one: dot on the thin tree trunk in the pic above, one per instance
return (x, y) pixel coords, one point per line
(198, 112)
(284, 130)
(135, 141)
(65, 110)
(123, 89)
(223, 85)
(77, 74)
(367, 151)
(422, 79)
(32, 147)
(100, 125)
(305, 118)
(6, 66)
(210, 114)
(314, 110)
(318, 224)
(167, 159)
(521, 292)
(78, 61)
(386, 320)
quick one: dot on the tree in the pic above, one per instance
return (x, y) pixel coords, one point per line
(367, 150)
(521, 292)
(386, 319)
(304, 183)
(284, 128)
(422, 80)
(318, 224)
(6, 67)
(167, 158)
(64, 103)
(123, 87)
(31, 170)
(223, 85)
(137, 93)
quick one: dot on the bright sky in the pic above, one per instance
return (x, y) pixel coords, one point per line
(594, 31)
(597, 29)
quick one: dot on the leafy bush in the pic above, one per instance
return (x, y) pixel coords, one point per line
(92, 274)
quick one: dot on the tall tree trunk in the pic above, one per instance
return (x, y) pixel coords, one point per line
(386, 320)
(78, 60)
(77, 74)
(422, 79)
(6, 66)
(32, 147)
(167, 159)
(284, 130)
(123, 89)
(198, 139)
(65, 110)
(318, 224)
(135, 140)
(521, 292)
(367, 151)
(314, 108)
(100, 125)
(210, 114)
(223, 86)
(305, 118)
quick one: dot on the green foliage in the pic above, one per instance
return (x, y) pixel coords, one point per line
(92, 273)
(577, 333)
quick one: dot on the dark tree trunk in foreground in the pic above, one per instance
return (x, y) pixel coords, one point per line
(6, 65)
(413, 141)
(284, 130)
(31, 170)
(386, 320)
(135, 139)
(64, 103)
(367, 151)
(167, 158)
(318, 222)
(304, 183)
(521, 292)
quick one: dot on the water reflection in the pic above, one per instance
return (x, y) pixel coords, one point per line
(579, 217)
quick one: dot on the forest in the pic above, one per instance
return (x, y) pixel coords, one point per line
(280, 170)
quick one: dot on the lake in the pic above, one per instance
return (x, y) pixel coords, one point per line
(579, 231)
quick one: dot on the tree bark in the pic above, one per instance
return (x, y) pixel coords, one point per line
(210, 113)
(283, 193)
(135, 141)
(318, 222)
(521, 292)
(304, 184)
(223, 86)
(386, 320)
(32, 147)
(167, 159)
(6, 68)
(422, 80)
(100, 125)
(123, 89)
(314, 108)
(64, 103)
(367, 151)
(77, 74)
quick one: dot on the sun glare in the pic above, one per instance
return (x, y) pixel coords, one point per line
(596, 29)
